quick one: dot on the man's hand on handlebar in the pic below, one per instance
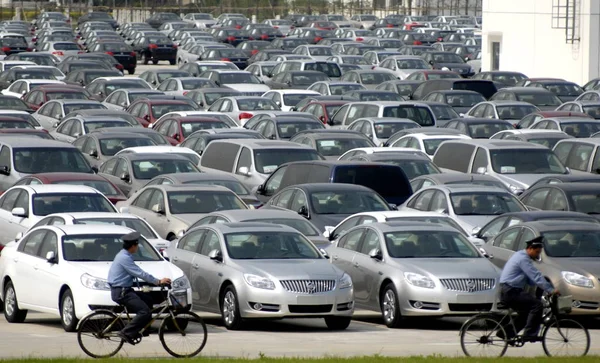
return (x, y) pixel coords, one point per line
(164, 281)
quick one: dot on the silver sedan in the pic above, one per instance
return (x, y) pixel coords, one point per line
(261, 270)
(415, 269)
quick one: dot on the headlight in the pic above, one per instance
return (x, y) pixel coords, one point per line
(345, 281)
(94, 283)
(180, 283)
(419, 280)
(259, 282)
(515, 189)
(577, 279)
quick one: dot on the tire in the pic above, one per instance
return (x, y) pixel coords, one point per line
(389, 307)
(483, 336)
(68, 319)
(91, 334)
(577, 336)
(172, 62)
(183, 337)
(155, 61)
(131, 71)
(338, 322)
(230, 309)
(12, 313)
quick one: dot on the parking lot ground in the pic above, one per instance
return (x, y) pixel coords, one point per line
(42, 336)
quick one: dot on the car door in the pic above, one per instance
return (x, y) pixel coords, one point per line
(343, 254)
(140, 205)
(557, 200)
(159, 221)
(421, 201)
(501, 248)
(183, 256)
(25, 259)
(537, 198)
(492, 229)
(48, 277)
(207, 274)
(9, 224)
(123, 177)
(62, 131)
(367, 268)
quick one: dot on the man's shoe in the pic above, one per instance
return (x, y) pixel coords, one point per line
(126, 338)
(532, 339)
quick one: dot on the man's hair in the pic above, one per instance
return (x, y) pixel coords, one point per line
(128, 244)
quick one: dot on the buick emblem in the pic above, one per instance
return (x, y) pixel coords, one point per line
(471, 285)
(311, 287)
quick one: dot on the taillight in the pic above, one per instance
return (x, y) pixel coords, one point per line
(390, 25)
(417, 42)
(254, 51)
(6, 49)
(264, 37)
(231, 38)
(226, 59)
(318, 39)
(244, 115)
(440, 39)
(119, 66)
(174, 46)
(110, 53)
(133, 54)
(34, 39)
(292, 27)
(152, 46)
(238, 27)
(275, 27)
(185, 92)
(81, 52)
(28, 49)
(56, 52)
(359, 39)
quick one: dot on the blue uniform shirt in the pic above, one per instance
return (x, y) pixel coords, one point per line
(123, 270)
(520, 271)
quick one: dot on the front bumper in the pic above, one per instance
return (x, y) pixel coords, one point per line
(279, 303)
(415, 301)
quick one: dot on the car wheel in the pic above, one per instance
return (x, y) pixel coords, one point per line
(389, 307)
(68, 319)
(230, 309)
(172, 62)
(12, 313)
(155, 61)
(131, 70)
(337, 322)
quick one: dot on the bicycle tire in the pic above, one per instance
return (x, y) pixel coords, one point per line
(179, 326)
(93, 325)
(471, 334)
(566, 329)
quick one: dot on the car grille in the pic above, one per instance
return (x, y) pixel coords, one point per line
(308, 286)
(468, 285)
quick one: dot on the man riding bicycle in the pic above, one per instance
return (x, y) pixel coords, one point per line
(121, 277)
(519, 272)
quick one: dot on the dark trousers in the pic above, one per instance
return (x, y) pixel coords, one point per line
(136, 303)
(529, 308)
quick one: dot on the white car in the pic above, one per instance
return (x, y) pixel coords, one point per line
(24, 205)
(241, 109)
(218, 115)
(200, 20)
(289, 98)
(373, 150)
(316, 52)
(23, 86)
(403, 65)
(5, 65)
(334, 232)
(58, 74)
(104, 218)
(163, 149)
(424, 142)
(180, 86)
(242, 81)
(63, 271)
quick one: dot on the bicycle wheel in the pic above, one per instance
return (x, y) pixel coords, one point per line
(184, 336)
(97, 334)
(483, 336)
(566, 338)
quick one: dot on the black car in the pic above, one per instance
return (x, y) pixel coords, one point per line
(231, 36)
(41, 59)
(8, 77)
(13, 45)
(373, 95)
(576, 197)
(449, 61)
(76, 65)
(487, 88)
(155, 48)
(83, 77)
(296, 79)
(98, 16)
(122, 52)
(96, 57)
(157, 76)
(233, 55)
(413, 165)
(158, 19)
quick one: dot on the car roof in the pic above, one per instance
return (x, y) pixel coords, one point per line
(56, 177)
(390, 227)
(156, 149)
(249, 227)
(561, 226)
(58, 188)
(382, 157)
(525, 90)
(190, 187)
(576, 187)
(546, 214)
(78, 229)
(42, 143)
(152, 156)
(324, 187)
(185, 177)
(264, 144)
(82, 215)
(500, 144)
(457, 177)
(250, 214)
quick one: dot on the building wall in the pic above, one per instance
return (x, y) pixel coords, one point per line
(529, 44)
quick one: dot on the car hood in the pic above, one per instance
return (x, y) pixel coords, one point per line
(323, 220)
(188, 218)
(470, 222)
(319, 241)
(581, 265)
(318, 269)
(159, 243)
(158, 269)
(243, 87)
(460, 109)
(452, 65)
(407, 72)
(448, 267)
(520, 180)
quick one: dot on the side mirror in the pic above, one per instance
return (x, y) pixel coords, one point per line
(303, 211)
(125, 177)
(147, 117)
(323, 119)
(157, 208)
(243, 170)
(4, 170)
(175, 136)
(95, 169)
(56, 124)
(94, 153)
(375, 254)
(461, 115)
(481, 170)
(260, 190)
(393, 206)
(215, 255)
(81, 82)
(324, 253)
(485, 254)
(597, 171)
(19, 236)
(19, 212)
(431, 62)
(124, 210)
(328, 232)
(51, 257)
(475, 231)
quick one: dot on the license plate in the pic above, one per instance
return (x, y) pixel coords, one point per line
(308, 300)
(470, 299)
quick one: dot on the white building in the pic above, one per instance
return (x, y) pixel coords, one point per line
(543, 38)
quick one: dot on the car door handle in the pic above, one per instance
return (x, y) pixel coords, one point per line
(196, 266)
(355, 264)
(335, 257)
(175, 259)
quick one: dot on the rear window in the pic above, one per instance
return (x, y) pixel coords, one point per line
(389, 181)
(487, 89)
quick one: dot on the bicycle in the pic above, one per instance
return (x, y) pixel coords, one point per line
(483, 335)
(178, 326)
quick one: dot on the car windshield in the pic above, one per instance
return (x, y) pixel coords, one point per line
(190, 127)
(586, 202)
(526, 161)
(564, 89)
(232, 78)
(66, 46)
(109, 147)
(486, 130)
(267, 160)
(13, 42)
(581, 129)
(83, 106)
(15, 125)
(301, 225)
(415, 168)
(49, 160)
(255, 104)
(102, 186)
(464, 99)
(23, 116)
(510, 79)
(115, 85)
(412, 64)
(514, 112)
(291, 99)
(189, 84)
(202, 17)
(211, 97)
(354, 59)
(341, 89)
(269, 246)
(384, 130)
(577, 243)
(380, 96)
(306, 79)
(447, 58)
(64, 95)
(330, 69)
(48, 203)
(375, 77)
(428, 244)
(443, 112)
(445, 221)
(103, 247)
(159, 110)
(337, 147)
(593, 111)
(548, 142)
(166, 75)
(484, 203)
(193, 202)
(431, 145)
(93, 125)
(420, 115)
(236, 187)
(288, 129)
(442, 75)
(148, 169)
(539, 99)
